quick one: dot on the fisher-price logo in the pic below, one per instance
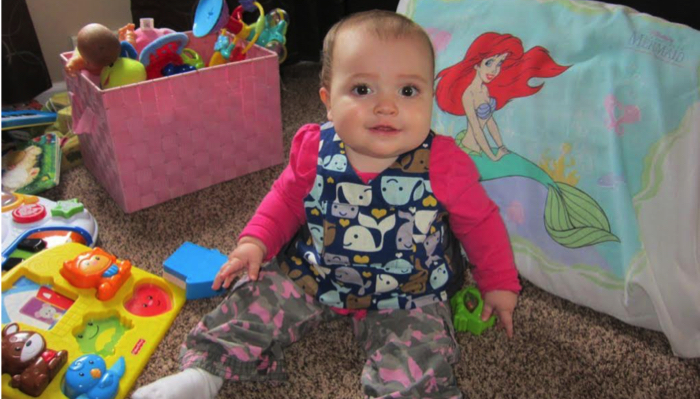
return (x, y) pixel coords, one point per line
(138, 346)
(659, 45)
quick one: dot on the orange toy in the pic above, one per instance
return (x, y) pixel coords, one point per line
(97, 269)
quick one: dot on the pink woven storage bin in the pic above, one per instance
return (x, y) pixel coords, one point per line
(149, 142)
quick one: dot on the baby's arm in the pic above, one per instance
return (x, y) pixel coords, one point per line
(476, 222)
(281, 212)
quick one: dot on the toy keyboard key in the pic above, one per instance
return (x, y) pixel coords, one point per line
(32, 245)
(11, 263)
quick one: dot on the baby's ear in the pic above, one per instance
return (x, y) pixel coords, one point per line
(325, 95)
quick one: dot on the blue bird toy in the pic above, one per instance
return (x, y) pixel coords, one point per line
(88, 378)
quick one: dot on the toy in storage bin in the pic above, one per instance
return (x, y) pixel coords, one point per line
(163, 138)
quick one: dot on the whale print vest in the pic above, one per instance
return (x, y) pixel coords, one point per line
(383, 244)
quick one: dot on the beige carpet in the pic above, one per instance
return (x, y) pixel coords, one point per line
(560, 350)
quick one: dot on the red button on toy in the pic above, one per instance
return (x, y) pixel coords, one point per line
(29, 213)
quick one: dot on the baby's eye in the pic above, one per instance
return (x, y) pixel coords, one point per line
(361, 90)
(409, 91)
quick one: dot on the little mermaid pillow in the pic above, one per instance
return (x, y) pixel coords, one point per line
(584, 122)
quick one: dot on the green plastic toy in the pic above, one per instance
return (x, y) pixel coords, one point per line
(190, 57)
(466, 309)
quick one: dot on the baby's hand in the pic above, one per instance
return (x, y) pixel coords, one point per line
(249, 254)
(503, 303)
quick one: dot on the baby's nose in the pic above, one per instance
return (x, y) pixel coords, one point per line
(386, 106)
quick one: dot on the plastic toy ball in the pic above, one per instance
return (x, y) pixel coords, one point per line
(467, 306)
(123, 71)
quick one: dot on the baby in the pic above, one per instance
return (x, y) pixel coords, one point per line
(357, 224)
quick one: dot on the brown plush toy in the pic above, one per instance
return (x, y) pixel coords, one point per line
(26, 359)
(97, 47)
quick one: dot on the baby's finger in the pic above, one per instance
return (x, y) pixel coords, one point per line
(486, 312)
(506, 319)
(218, 279)
(229, 279)
(229, 268)
(254, 271)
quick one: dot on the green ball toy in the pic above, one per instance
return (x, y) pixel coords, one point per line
(123, 71)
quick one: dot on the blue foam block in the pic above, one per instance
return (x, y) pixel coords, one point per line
(195, 266)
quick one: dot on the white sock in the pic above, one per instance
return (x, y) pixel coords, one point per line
(188, 384)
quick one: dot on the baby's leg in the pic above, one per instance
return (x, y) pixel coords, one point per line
(242, 339)
(190, 383)
(409, 352)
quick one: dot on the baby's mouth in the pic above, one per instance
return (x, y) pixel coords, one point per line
(384, 129)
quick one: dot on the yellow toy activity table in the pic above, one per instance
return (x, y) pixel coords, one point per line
(99, 330)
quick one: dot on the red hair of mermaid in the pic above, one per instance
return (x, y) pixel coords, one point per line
(512, 82)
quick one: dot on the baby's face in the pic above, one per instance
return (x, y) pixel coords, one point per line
(381, 93)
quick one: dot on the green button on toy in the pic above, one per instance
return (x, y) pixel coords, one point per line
(68, 208)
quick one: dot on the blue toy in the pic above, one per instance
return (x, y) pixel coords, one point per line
(273, 36)
(26, 118)
(194, 268)
(128, 51)
(210, 16)
(172, 69)
(88, 378)
(225, 46)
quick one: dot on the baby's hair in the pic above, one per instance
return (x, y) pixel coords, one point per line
(384, 24)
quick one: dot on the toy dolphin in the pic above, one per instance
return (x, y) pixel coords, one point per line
(88, 378)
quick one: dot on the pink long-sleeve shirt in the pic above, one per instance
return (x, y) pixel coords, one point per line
(454, 179)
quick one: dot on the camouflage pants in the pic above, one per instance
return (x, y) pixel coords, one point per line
(409, 352)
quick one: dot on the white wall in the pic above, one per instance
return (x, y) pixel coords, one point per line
(55, 21)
